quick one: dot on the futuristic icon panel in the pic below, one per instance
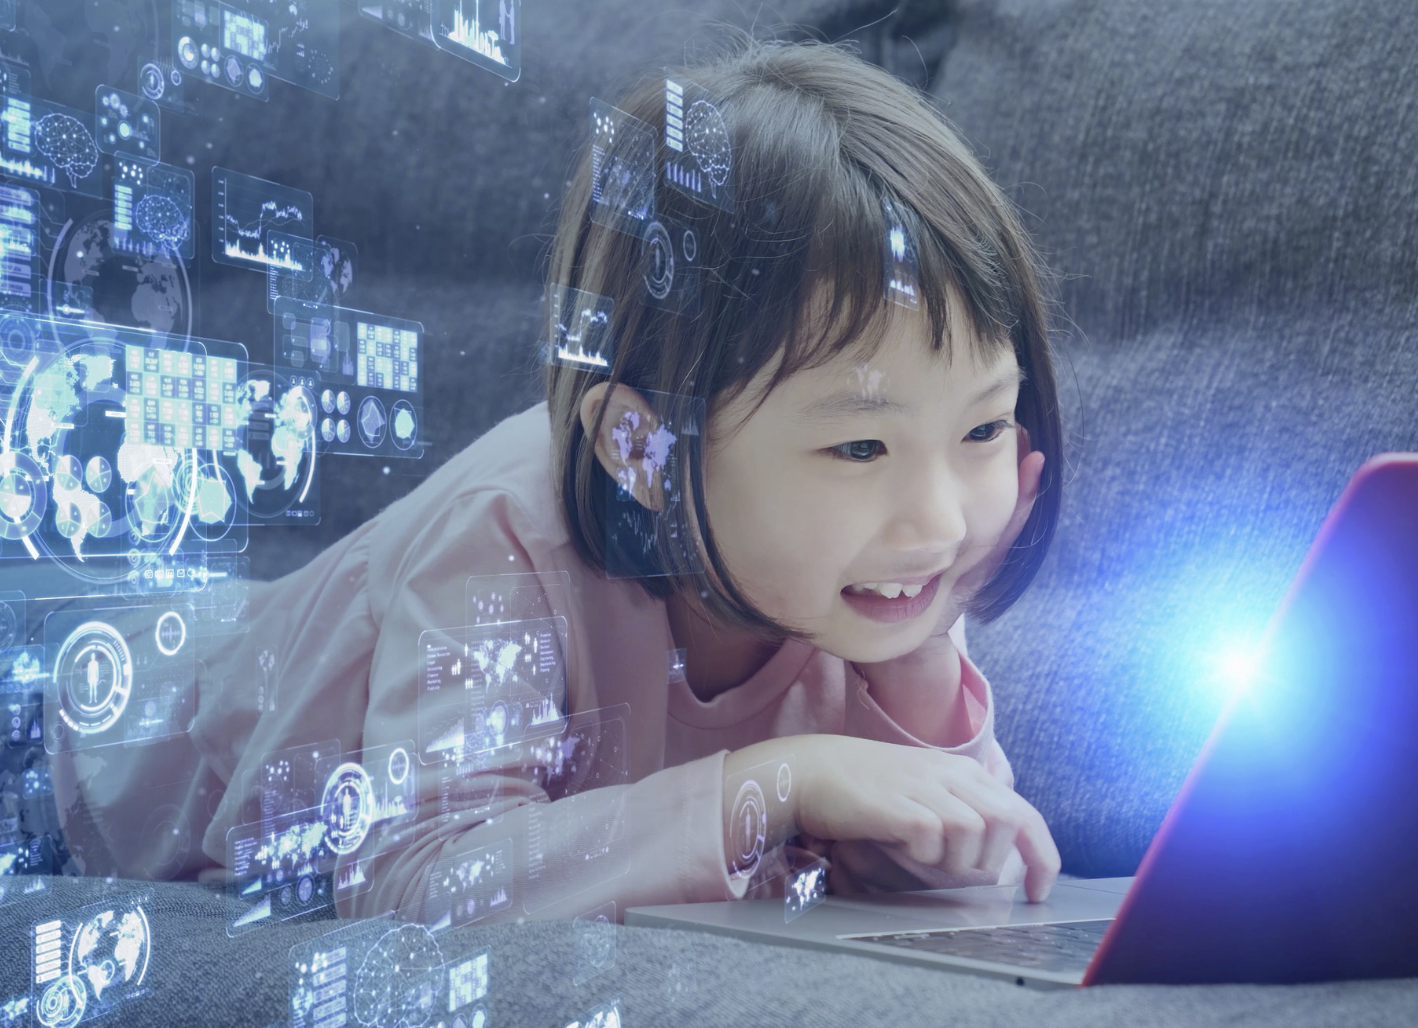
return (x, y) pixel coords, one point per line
(273, 461)
(699, 156)
(579, 329)
(471, 885)
(255, 221)
(411, 18)
(622, 169)
(487, 33)
(595, 942)
(579, 839)
(108, 448)
(222, 44)
(20, 244)
(333, 263)
(487, 686)
(282, 868)
(670, 267)
(166, 85)
(118, 674)
(90, 961)
(381, 972)
(45, 144)
(93, 275)
(152, 208)
(370, 369)
(127, 123)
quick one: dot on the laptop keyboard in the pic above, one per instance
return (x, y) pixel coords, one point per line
(1063, 947)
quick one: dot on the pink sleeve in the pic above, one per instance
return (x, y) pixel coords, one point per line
(860, 866)
(561, 851)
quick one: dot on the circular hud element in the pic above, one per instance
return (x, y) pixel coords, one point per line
(24, 495)
(94, 672)
(785, 782)
(708, 139)
(749, 828)
(62, 1003)
(347, 807)
(658, 254)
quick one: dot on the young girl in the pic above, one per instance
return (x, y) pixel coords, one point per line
(741, 551)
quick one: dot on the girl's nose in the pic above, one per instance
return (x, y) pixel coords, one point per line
(929, 511)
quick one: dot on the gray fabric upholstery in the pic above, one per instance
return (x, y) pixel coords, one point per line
(1226, 193)
(199, 976)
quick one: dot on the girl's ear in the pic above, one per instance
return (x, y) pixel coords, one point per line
(621, 445)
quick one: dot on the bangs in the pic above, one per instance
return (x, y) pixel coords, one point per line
(815, 233)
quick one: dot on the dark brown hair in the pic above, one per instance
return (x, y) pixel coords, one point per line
(821, 140)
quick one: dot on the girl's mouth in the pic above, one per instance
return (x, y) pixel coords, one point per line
(889, 601)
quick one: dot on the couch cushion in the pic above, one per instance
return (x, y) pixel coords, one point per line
(1226, 192)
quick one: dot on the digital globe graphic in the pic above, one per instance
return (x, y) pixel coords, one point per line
(119, 288)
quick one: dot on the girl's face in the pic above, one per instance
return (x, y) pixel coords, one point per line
(854, 499)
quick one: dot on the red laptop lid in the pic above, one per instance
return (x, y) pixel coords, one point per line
(1290, 853)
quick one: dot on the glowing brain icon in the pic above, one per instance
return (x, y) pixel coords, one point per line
(161, 219)
(65, 141)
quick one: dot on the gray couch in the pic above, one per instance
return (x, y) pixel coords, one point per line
(1227, 193)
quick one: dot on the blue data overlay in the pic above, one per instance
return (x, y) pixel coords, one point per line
(45, 144)
(699, 155)
(19, 247)
(223, 44)
(166, 85)
(117, 674)
(412, 18)
(91, 961)
(237, 44)
(294, 862)
(127, 123)
(324, 276)
(579, 330)
(111, 437)
(383, 972)
(255, 222)
(622, 169)
(370, 372)
(95, 273)
(486, 32)
(485, 686)
(670, 269)
(152, 208)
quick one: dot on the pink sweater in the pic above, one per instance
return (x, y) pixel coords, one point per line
(345, 633)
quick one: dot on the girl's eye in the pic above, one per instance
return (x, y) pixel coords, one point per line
(984, 433)
(860, 450)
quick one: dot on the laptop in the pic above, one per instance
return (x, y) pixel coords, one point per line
(1289, 854)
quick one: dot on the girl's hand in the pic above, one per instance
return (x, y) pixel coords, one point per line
(939, 809)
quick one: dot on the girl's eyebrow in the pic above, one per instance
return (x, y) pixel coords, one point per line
(849, 403)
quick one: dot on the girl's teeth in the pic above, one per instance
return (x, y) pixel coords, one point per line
(890, 590)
